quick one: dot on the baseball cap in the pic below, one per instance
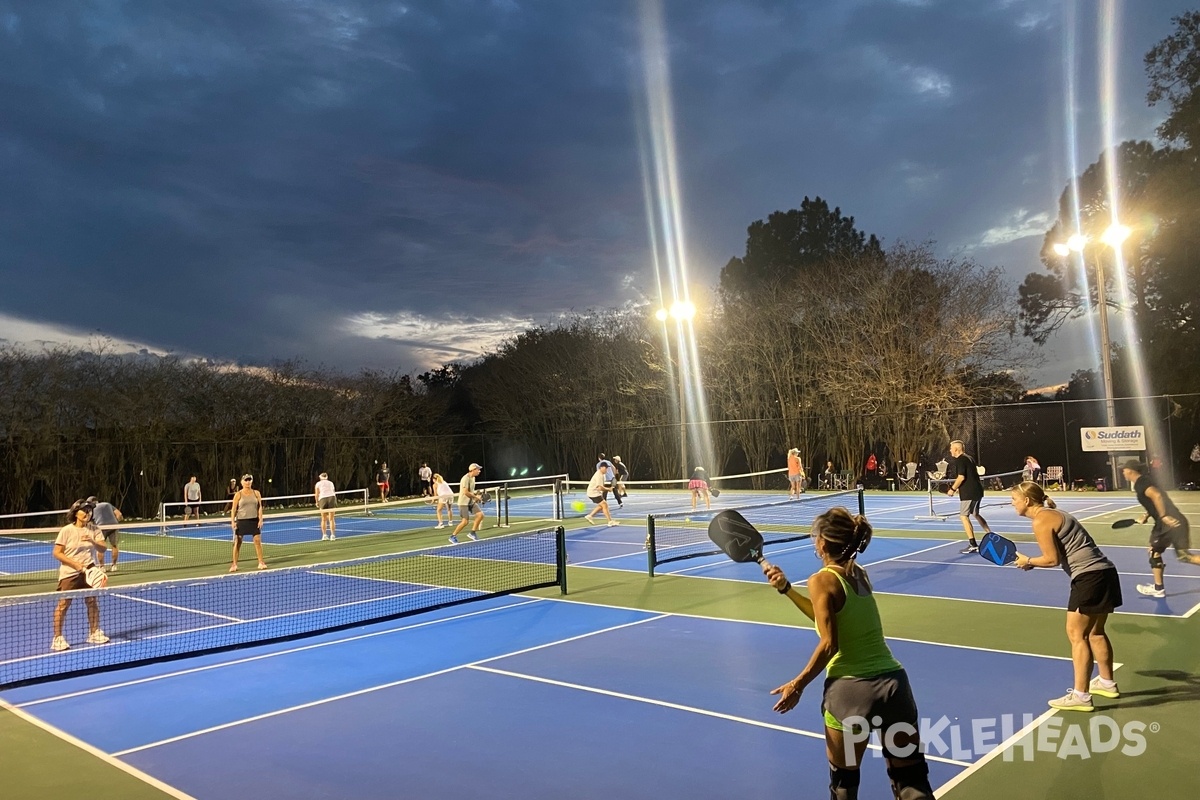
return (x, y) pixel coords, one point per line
(616, 458)
(1135, 465)
(474, 466)
(91, 501)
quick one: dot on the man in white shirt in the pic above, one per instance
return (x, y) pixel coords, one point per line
(326, 497)
(426, 476)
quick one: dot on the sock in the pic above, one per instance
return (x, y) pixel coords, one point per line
(1084, 696)
(1105, 683)
(1158, 587)
(973, 542)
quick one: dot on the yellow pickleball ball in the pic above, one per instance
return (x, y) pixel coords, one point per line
(579, 505)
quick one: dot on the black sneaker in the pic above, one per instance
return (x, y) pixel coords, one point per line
(971, 548)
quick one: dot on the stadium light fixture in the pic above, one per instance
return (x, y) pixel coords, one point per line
(1114, 237)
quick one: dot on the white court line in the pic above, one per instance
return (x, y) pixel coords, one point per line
(993, 566)
(165, 788)
(262, 656)
(690, 709)
(380, 687)
(785, 626)
(1021, 605)
(991, 754)
(175, 607)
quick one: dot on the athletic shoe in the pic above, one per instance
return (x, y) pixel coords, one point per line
(971, 548)
(1072, 702)
(474, 537)
(324, 538)
(1149, 590)
(261, 565)
(453, 539)
(613, 523)
(439, 526)
(97, 637)
(332, 538)
(1096, 688)
(59, 644)
(112, 568)
(233, 568)
(589, 519)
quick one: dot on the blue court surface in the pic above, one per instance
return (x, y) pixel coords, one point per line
(19, 556)
(523, 698)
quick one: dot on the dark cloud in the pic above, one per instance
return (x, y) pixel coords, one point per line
(389, 184)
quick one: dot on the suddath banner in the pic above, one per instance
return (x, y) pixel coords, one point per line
(1127, 437)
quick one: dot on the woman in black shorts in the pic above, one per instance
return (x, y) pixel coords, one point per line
(1095, 592)
(247, 520)
(865, 686)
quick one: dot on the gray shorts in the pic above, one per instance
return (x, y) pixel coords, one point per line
(326, 503)
(888, 696)
(968, 507)
(468, 511)
(113, 537)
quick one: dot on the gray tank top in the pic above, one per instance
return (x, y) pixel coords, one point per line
(1080, 553)
(247, 506)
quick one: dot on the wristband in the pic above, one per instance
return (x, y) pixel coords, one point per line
(787, 587)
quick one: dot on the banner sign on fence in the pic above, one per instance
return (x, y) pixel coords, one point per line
(1127, 437)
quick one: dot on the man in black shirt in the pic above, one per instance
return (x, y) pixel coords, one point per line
(1170, 526)
(970, 493)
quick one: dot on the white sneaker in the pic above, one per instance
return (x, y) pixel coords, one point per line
(332, 537)
(1097, 688)
(1072, 702)
(474, 537)
(324, 538)
(439, 526)
(1149, 590)
(59, 644)
(613, 523)
(112, 568)
(97, 637)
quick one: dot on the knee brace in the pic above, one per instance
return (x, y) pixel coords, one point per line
(911, 782)
(1156, 561)
(843, 783)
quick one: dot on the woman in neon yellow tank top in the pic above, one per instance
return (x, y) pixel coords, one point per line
(863, 680)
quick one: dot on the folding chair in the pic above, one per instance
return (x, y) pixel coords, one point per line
(908, 481)
(1052, 475)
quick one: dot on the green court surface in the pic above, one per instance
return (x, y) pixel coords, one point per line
(1159, 678)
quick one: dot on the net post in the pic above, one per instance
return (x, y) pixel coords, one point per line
(560, 546)
(162, 519)
(559, 510)
(862, 502)
(651, 556)
(502, 506)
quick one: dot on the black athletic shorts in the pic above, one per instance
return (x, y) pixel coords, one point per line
(1162, 538)
(1096, 592)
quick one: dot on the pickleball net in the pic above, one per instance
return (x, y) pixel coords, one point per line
(942, 506)
(684, 534)
(161, 550)
(170, 619)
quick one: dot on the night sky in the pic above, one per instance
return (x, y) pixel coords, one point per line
(397, 185)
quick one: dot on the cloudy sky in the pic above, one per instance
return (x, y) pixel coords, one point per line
(361, 183)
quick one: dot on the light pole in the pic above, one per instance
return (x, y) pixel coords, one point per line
(1114, 237)
(682, 312)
